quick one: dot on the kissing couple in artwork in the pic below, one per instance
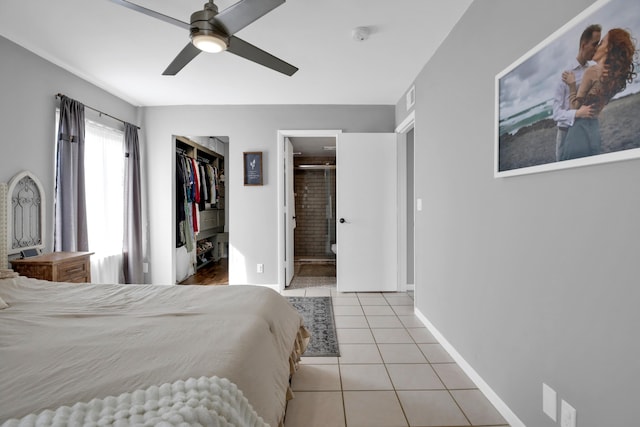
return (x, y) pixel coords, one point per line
(612, 67)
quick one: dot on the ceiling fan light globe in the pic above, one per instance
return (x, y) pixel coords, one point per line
(209, 43)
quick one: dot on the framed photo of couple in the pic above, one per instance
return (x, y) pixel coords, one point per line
(574, 99)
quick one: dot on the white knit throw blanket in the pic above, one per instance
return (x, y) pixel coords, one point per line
(214, 401)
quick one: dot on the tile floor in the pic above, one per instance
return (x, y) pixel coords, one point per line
(391, 373)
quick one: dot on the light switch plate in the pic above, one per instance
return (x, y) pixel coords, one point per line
(549, 402)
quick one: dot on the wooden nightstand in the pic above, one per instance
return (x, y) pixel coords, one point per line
(56, 267)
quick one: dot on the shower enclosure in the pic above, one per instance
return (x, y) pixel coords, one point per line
(315, 190)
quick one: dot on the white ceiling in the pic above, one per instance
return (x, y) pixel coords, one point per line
(125, 52)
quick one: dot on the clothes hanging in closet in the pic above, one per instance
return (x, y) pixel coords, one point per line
(196, 186)
(185, 196)
(209, 185)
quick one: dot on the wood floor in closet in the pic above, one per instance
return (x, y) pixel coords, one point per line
(214, 274)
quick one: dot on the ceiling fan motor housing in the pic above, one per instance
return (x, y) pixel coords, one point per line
(202, 23)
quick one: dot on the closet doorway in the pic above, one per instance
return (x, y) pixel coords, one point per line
(201, 210)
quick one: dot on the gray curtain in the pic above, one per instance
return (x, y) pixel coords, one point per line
(132, 246)
(70, 233)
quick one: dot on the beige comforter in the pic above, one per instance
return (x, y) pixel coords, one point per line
(67, 343)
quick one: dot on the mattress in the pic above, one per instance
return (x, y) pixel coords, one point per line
(64, 343)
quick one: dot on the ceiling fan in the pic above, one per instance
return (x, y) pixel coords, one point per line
(214, 32)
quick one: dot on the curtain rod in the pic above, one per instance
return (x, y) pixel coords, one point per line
(60, 95)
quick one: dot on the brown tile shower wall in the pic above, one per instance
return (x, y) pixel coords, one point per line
(311, 210)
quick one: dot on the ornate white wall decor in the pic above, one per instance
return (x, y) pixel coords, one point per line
(25, 213)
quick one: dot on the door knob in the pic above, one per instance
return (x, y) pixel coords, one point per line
(342, 220)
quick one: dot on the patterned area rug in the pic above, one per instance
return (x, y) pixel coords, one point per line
(317, 313)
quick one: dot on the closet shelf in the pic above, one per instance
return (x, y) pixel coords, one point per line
(199, 266)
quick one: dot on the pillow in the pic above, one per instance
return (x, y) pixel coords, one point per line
(7, 273)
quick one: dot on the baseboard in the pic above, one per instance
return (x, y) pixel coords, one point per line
(411, 288)
(502, 407)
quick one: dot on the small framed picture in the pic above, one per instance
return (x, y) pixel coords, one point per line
(253, 168)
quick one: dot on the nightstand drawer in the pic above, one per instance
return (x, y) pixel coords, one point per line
(76, 271)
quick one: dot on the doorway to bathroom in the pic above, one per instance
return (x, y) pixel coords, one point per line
(367, 235)
(314, 204)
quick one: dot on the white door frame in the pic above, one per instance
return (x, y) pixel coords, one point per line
(282, 134)
(407, 124)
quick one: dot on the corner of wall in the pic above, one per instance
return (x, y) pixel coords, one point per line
(493, 397)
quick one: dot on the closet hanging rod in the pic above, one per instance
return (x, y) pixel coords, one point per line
(60, 95)
(182, 152)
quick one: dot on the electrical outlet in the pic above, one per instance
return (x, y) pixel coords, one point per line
(549, 402)
(567, 415)
(145, 267)
(260, 268)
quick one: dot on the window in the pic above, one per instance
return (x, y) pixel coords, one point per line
(104, 192)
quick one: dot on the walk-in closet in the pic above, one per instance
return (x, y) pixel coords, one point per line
(201, 236)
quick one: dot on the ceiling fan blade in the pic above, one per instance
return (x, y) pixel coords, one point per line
(236, 17)
(152, 13)
(184, 57)
(248, 51)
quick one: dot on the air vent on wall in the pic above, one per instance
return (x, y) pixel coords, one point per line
(411, 97)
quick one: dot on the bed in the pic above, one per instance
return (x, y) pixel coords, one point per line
(67, 348)
(64, 343)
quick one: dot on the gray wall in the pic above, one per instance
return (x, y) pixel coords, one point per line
(28, 85)
(253, 211)
(532, 278)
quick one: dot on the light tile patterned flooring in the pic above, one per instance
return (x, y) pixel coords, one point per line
(391, 373)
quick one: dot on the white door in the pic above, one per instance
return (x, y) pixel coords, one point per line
(289, 211)
(367, 212)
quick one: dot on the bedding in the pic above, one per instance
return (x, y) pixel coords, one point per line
(214, 401)
(63, 343)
